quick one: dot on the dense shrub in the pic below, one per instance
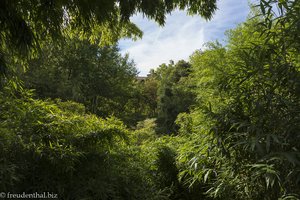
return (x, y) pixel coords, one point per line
(58, 148)
(246, 121)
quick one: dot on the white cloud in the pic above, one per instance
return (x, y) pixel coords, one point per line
(181, 35)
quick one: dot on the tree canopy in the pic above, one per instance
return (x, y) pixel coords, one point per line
(80, 71)
(24, 24)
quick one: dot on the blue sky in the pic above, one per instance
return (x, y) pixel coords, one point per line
(181, 35)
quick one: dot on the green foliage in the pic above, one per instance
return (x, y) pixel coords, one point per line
(70, 106)
(174, 94)
(149, 93)
(145, 131)
(167, 171)
(246, 120)
(27, 24)
(142, 102)
(45, 147)
(234, 108)
(163, 156)
(98, 77)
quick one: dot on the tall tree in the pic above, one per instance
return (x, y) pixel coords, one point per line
(174, 94)
(98, 77)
